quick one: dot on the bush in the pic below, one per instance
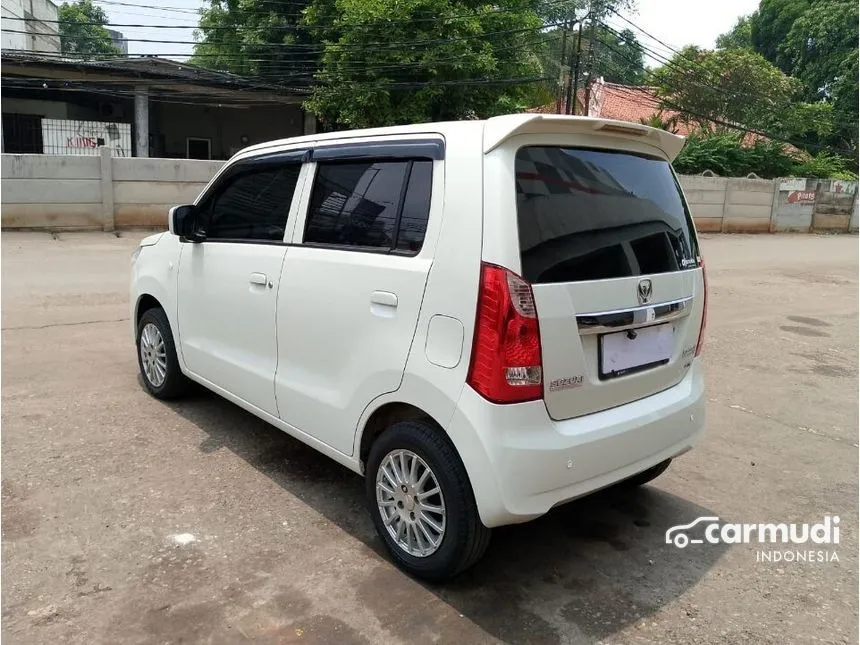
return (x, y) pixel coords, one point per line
(724, 154)
(727, 156)
(826, 165)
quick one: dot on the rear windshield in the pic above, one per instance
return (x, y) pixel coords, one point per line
(594, 214)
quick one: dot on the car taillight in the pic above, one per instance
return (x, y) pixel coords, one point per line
(506, 354)
(701, 340)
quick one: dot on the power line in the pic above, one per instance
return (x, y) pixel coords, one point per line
(324, 47)
(229, 100)
(145, 6)
(721, 122)
(691, 77)
(296, 27)
(672, 64)
(690, 72)
(273, 63)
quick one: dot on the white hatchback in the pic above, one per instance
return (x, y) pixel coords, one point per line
(485, 318)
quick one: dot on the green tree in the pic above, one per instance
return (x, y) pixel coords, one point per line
(818, 43)
(815, 41)
(82, 30)
(368, 63)
(770, 25)
(740, 87)
(740, 36)
(617, 56)
(386, 62)
(258, 38)
(844, 97)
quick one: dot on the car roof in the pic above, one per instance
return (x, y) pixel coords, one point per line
(496, 130)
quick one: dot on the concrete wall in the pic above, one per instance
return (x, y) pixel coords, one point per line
(52, 191)
(72, 192)
(855, 218)
(145, 189)
(748, 206)
(40, 191)
(12, 13)
(794, 201)
(735, 205)
(36, 17)
(706, 197)
(834, 205)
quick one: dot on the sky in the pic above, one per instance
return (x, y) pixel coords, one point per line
(674, 22)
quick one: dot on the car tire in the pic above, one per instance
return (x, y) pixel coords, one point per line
(156, 356)
(646, 476)
(464, 539)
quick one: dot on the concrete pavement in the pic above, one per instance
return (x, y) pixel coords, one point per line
(129, 520)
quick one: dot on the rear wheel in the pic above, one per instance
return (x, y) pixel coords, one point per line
(646, 475)
(421, 502)
(156, 356)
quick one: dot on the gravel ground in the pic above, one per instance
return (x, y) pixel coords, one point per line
(127, 520)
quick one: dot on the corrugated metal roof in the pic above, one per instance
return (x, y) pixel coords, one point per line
(147, 67)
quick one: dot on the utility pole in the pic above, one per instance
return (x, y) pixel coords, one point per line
(563, 72)
(574, 64)
(590, 74)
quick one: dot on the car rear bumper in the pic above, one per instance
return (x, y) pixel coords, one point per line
(521, 463)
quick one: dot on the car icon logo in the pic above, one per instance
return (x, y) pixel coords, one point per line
(643, 291)
(676, 535)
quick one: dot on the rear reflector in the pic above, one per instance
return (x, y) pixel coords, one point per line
(701, 340)
(506, 353)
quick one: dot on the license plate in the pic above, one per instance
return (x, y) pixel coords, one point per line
(637, 349)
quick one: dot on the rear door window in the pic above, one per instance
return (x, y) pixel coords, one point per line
(587, 214)
(381, 205)
(416, 208)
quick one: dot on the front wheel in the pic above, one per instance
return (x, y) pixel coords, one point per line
(156, 356)
(421, 502)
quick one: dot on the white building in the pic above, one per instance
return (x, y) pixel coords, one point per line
(30, 25)
(119, 40)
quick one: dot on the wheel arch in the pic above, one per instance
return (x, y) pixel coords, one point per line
(417, 398)
(145, 302)
(386, 415)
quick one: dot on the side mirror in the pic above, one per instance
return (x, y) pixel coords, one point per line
(182, 222)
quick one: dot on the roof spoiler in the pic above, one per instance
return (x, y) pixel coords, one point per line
(499, 129)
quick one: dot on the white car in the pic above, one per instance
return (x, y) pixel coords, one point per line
(485, 318)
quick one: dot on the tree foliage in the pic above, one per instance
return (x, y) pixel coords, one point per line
(844, 97)
(818, 44)
(770, 25)
(661, 121)
(739, 37)
(727, 155)
(739, 87)
(258, 38)
(82, 30)
(618, 58)
(400, 61)
(365, 62)
(815, 42)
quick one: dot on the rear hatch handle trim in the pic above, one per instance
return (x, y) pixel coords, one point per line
(602, 322)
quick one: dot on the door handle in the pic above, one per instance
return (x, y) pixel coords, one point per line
(259, 278)
(384, 298)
